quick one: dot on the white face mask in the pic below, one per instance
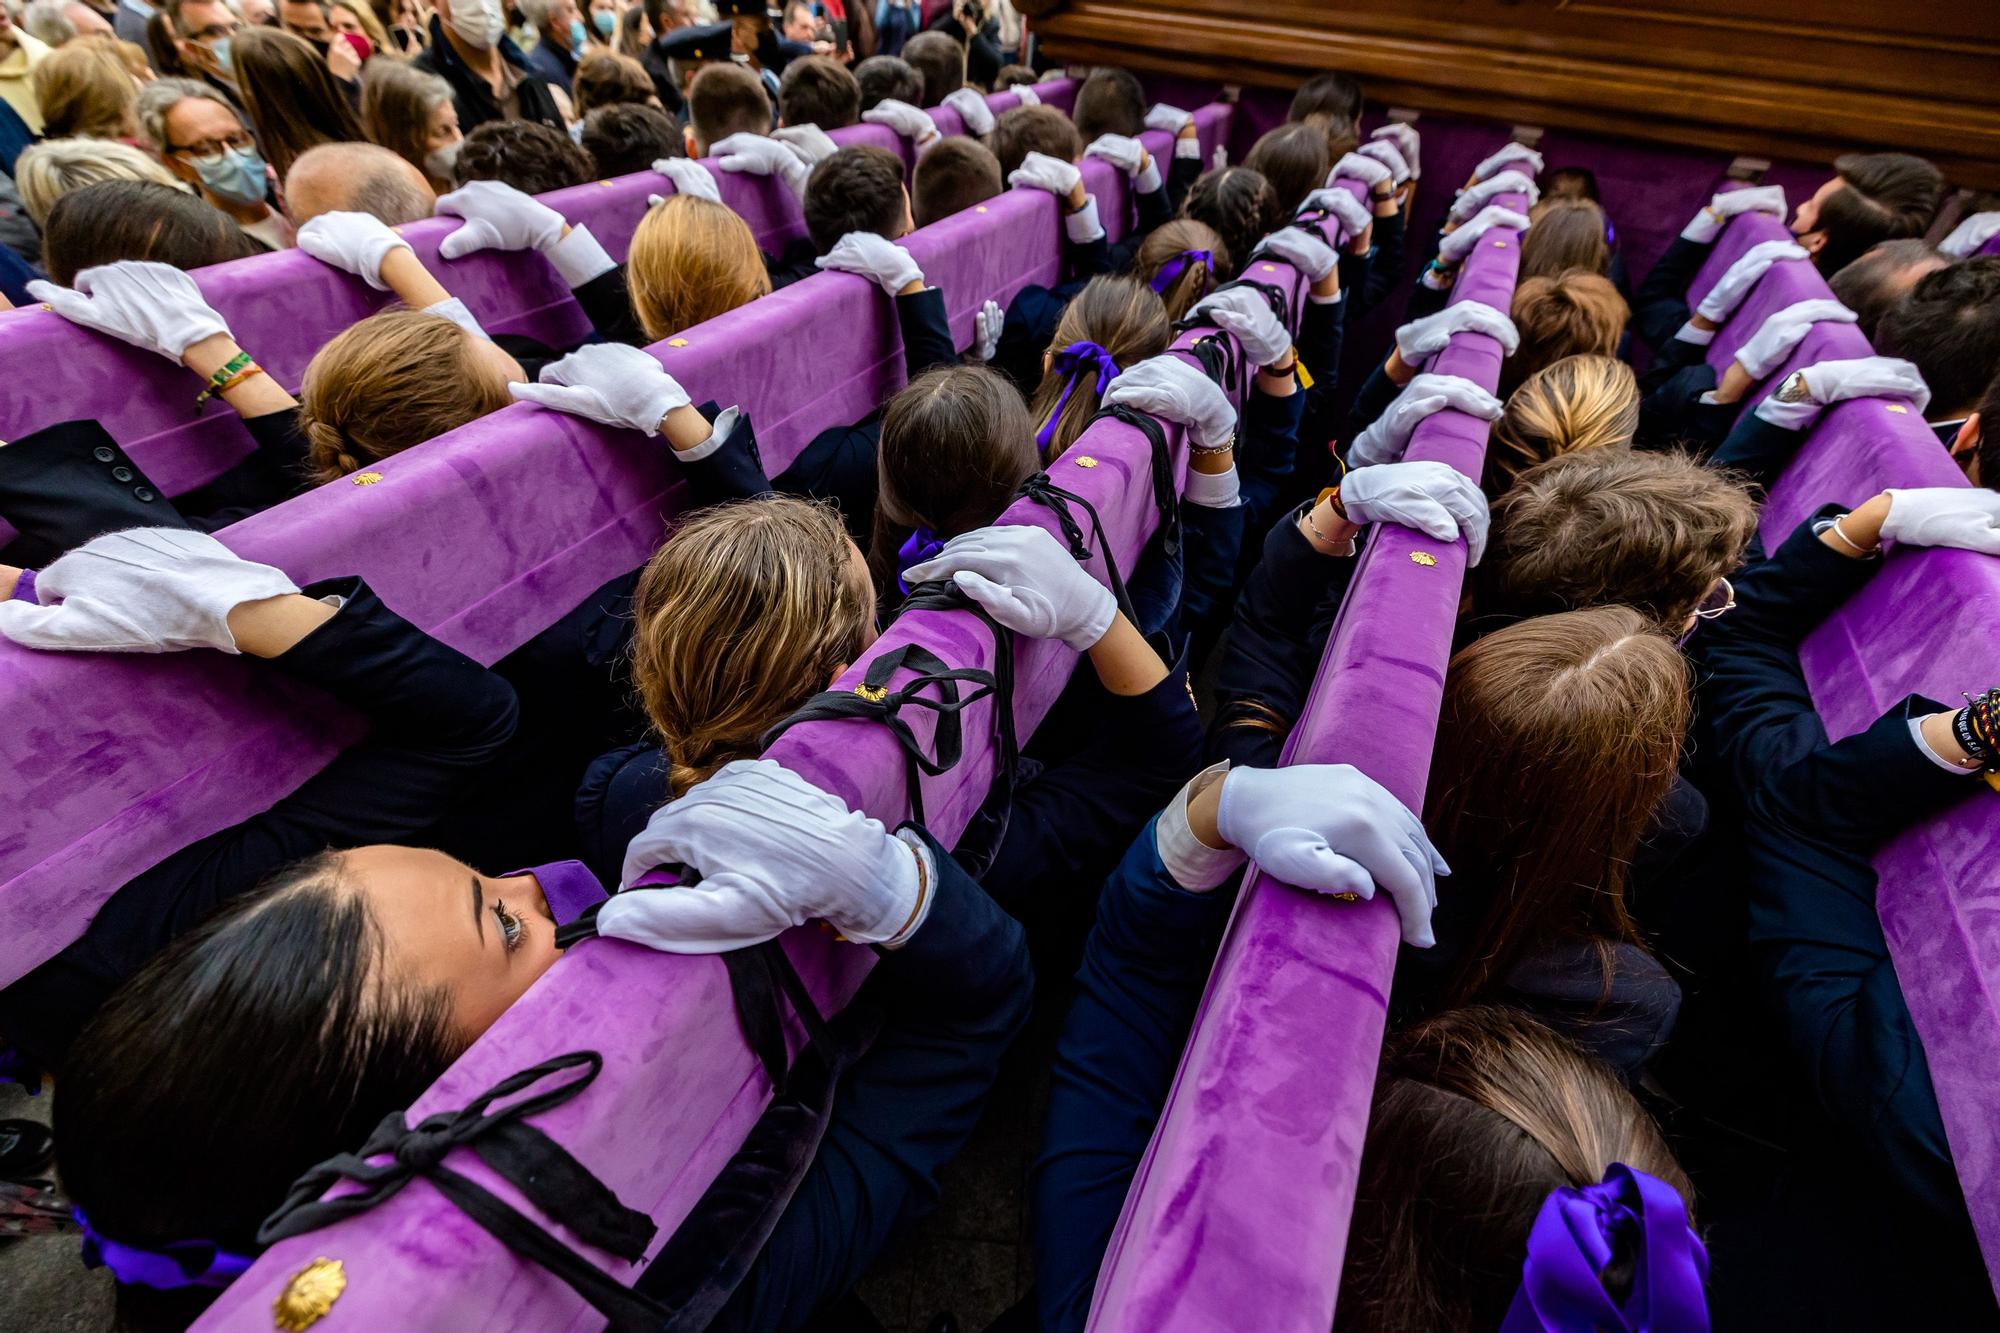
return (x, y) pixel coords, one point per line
(478, 23)
(442, 162)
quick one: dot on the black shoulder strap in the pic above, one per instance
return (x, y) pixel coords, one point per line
(1058, 501)
(1165, 498)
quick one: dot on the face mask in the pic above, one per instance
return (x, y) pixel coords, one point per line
(578, 35)
(442, 162)
(321, 47)
(478, 23)
(219, 53)
(237, 175)
(606, 21)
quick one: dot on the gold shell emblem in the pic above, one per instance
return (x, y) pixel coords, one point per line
(309, 1295)
(1424, 558)
(874, 694)
(1085, 460)
(365, 478)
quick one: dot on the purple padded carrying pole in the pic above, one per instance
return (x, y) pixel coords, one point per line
(1924, 624)
(117, 761)
(1242, 1200)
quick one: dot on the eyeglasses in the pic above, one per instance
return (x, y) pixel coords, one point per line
(1720, 598)
(211, 150)
(214, 33)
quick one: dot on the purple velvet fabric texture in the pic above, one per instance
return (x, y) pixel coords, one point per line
(126, 759)
(1924, 624)
(1992, 246)
(284, 307)
(1243, 1199)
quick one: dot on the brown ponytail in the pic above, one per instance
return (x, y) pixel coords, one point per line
(1124, 317)
(1168, 242)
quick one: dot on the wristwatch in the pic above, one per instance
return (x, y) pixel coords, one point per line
(1794, 389)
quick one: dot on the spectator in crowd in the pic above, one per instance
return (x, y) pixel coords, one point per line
(129, 20)
(47, 171)
(20, 52)
(84, 89)
(1949, 328)
(559, 39)
(356, 178)
(817, 90)
(534, 159)
(205, 143)
(1871, 197)
(196, 38)
(797, 24)
(357, 18)
(939, 62)
(625, 139)
(1873, 284)
(1111, 102)
(489, 77)
(55, 22)
(606, 79)
(635, 39)
(884, 78)
(311, 21)
(975, 26)
(1293, 159)
(411, 112)
(725, 100)
(289, 96)
(137, 219)
(958, 173)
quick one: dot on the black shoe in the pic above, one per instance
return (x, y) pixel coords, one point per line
(26, 1149)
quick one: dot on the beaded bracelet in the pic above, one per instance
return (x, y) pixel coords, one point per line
(1976, 727)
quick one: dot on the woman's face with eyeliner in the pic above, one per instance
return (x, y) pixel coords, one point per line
(484, 940)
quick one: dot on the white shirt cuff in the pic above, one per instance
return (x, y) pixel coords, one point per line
(579, 258)
(1314, 298)
(1214, 490)
(1148, 181)
(718, 435)
(1082, 225)
(1187, 148)
(453, 309)
(1917, 735)
(1190, 862)
(1688, 333)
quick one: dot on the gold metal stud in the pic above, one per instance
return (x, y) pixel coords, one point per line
(365, 478)
(1085, 460)
(874, 694)
(309, 1295)
(979, 208)
(1269, 268)
(1897, 408)
(1424, 558)
(1499, 245)
(1347, 897)
(677, 342)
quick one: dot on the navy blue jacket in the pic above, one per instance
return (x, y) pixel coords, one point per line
(1661, 306)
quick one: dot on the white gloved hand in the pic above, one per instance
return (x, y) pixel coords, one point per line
(1434, 498)
(904, 119)
(145, 590)
(689, 177)
(354, 243)
(497, 217)
(1478, 195)
(1367, 170)
(1331, 828)
(1169, 118)
(154, 306)
(1970, 234)
(761, 155)
(1026, 94)
(1243, 313)
(774, 852)
(1388, 436)
(1406, 139)
(1514, 156)
(1027, 581)
(972, 109)
(1964, 517)
(987, 325)
(812, 144)
(1706, 225)
(1039, 171)
(1390, 156)
(1785, 330)
(1735, 284)
(1464, 239)
(1353, 215)
(1169, 388)
(1128, 155)
(1831, 382)
(1421, 339)
(872, 256)
(609, 383)
(1301, 249)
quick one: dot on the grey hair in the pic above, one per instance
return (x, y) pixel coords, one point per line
(161, 96)
(48, 20)
(537, 11)
(48, 170)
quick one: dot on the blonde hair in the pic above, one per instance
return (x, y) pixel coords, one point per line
(391, 381)
(745, 612)
(691, 260)
(85, 89)
(371, 27)
(1579, 402)
(47, 171)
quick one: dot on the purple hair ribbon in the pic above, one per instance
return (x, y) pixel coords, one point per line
(1170, 272)
(1576, 1236)
(1070, 362)
(184, 1263)
(919, 546)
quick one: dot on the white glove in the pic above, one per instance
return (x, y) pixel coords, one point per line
(872, 256)
(972, 109)
(1406, 139)
(1243, 313)
(354, 243)
(904, 119)
(761, 155)
(1352, 214)
(689, 177)
(1785, 330)
(1735, 284)
(1128, 155)
(1301, 249)
(1169, 118)
(1464, 239)
(1970, 234)
(1964, 517)
(774, 852)
(1517, 156)
(812, 144)
(497, 217)
(1388, 436)
(1039, 171)
(1478, 195)
(609, 383)
(154, 306)
(1331, 828)
(987, 324)
(1027, 581)
(1831, 382)
(1367, 170)
(145, 590)
(1390, 156)
(1169, 388)
(1026, 94)
(1706, 225)
(1434, 498)
(1421, 339)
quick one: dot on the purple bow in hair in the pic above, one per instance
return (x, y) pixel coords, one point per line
(1070, 362)
(919, 546)
(1576, 1236)
(1170, 272)
(185, 1263)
